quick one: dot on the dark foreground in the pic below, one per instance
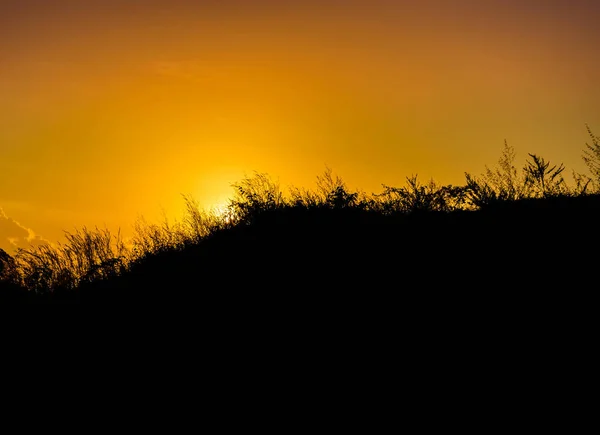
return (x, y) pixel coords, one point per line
(533, 251)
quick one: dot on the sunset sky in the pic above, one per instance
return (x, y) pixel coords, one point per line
(112, 109)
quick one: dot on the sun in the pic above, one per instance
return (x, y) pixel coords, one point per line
(214, 188)
(223, 212)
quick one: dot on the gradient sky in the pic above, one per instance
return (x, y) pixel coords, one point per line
(112, 109)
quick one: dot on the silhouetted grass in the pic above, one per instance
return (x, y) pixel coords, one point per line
(505, 233)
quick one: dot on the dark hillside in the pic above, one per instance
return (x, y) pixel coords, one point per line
(504, 239)
(523, 249)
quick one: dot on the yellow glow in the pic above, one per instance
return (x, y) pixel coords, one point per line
(222, 212)
(113, 109)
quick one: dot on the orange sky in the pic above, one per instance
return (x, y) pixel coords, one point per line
(113, 109)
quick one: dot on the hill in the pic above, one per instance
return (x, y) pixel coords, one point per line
(503, 238)
(519, 249)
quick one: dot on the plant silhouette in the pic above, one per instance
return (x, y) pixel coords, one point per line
(500, 232)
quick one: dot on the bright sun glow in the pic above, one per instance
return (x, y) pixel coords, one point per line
(222, 211)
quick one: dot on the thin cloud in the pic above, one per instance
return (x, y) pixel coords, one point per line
(13, 235)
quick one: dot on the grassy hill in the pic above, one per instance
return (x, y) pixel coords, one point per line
(502, 237)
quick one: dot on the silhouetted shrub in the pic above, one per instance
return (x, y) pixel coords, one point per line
(87, 255)
(542, 180)
(417, 197)
(591, 156)
(253, 196)
(502, 229)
